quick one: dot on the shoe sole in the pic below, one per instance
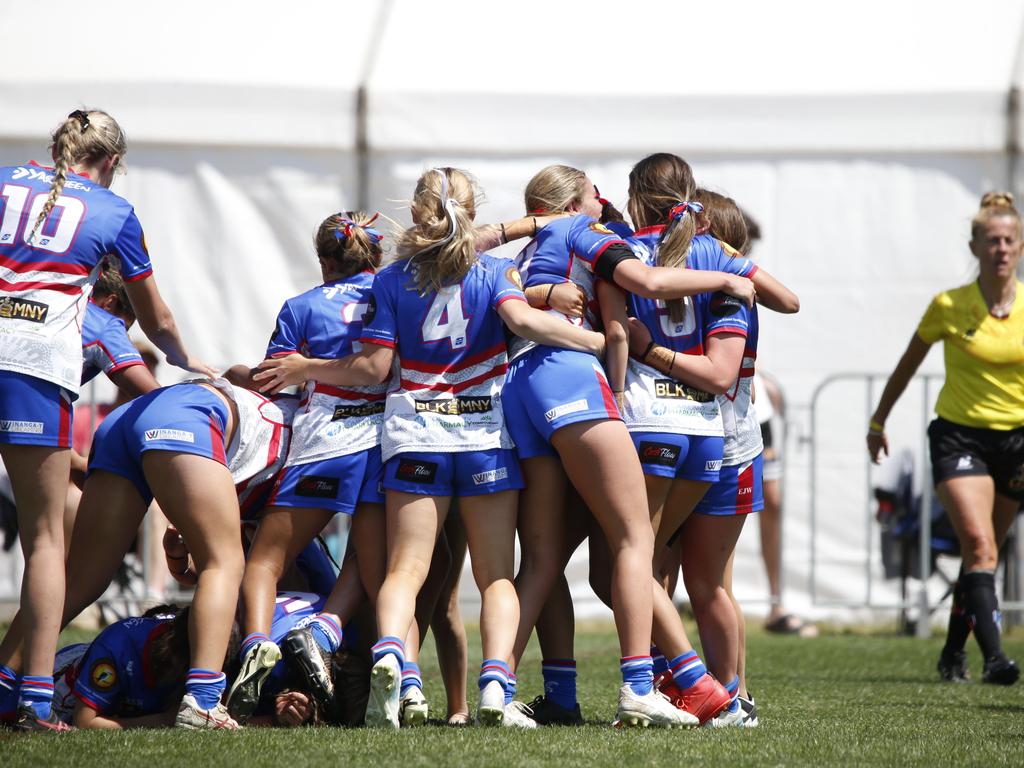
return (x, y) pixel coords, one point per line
(300, 655)
(244, 696)
(640, 720)
(414, 714)
(382, 707)
(490, 716)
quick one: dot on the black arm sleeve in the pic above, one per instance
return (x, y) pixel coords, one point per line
(613, 255)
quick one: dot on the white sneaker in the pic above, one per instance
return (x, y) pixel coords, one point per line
(193, 717)
(491, 710)
(244, 695)
(727, 719)
(749, 708)
(385, 686)
(518, 715)
(653, 709)
(413, 707)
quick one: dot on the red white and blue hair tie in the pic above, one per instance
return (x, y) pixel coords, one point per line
(679, 210)
(346, 230)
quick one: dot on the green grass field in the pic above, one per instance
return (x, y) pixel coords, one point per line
(840, 699)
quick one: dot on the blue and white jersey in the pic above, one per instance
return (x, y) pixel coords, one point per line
(106, 347)
(655, 401)
(565, 250)
(116, 675)
(452, 357)
(44, 286)
(326, 322)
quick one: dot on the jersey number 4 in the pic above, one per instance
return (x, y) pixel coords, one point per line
(445, 319)
(55, 234)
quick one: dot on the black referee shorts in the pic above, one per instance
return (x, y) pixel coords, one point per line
(959, 451)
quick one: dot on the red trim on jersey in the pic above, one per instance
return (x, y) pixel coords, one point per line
(140, 276)
(513, 297)
(33, 286)
(347, 394)
(458, 365)
(64, 429)
(283, 353)
(217, 442)
(88, 702)
(609, 397)
(657, 229)
(274, 450)
(728, 329)
(752, 272)
(379, 342)
(43, 266)
(122, 366)
(462, 386)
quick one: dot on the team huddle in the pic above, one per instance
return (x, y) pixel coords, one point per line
(599, 386)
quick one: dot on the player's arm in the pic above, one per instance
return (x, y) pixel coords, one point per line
(714, 372)
(912, 358)
(616, 335)
(492, 235)
(134, 380)
(87, 718)
(774, 295)
(371, 365)
(543, 328)
(632, 275)
(568, 298)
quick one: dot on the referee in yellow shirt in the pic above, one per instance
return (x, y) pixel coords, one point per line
(977, 441)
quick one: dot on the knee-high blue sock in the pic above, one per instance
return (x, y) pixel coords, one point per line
(510, 689)
(638, 673)
(10, 685)
(560, 681)
(494, 670)
(411, 676)
(326, 632)
(389, 644)
(687, 669)
(37, 693)
(250, 642)
(733, 687)
(206, 686)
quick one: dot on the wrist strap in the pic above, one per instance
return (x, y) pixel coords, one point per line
(551, 290)
(875, 427)
(643, 357)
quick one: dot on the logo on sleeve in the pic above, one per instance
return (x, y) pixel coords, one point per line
(663, 454)
(597, 226)
(103, 674)
(416, 471)
(23, 309)
(725, 306)
(28, 427)
(171, 434)
(371, 310)
(513, 276)
(316, 487)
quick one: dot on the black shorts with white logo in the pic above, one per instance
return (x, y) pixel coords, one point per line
(959, 451)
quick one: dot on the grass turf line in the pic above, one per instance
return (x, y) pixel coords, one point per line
(837, 699)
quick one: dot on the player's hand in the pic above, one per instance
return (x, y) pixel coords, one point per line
(292, 709)
(192, 363)
(568, 298)
(177, 556)
(740, 287)
(276, 373)
(639, 338)
(878, 444)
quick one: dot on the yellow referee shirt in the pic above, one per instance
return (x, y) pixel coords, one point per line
(984, 358)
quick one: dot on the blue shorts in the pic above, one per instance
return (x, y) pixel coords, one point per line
(739, 490)
(547, 389)
(689, 457)
(337, 484)
(34, 411)
(184, 418)
(470, 473)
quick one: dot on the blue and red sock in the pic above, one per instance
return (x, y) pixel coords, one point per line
(10, 685)
(494, 670)
(687, 669)
(638, 673)
(733, 687)
(411, 676)
(660, 662)
(326, 632)
(206, 686)
(510, 689)
(250, 642)
(560, 681)
(37, 693)
(389, 644)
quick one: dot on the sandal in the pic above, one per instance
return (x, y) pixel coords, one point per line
(790, 624)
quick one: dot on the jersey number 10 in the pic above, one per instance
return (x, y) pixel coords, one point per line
(67, 212)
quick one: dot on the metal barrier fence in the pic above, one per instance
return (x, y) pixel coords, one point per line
(927, 388)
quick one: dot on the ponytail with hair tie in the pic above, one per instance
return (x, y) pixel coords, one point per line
(679, 210)
(375, 236)
(448, 206)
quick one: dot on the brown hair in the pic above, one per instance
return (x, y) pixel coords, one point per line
(554, 189)
(348, 244)
(85, 136)
(170, 651)
(441, 246)
(657, 185)
(111, 283)
(994, 205)
(725, 219)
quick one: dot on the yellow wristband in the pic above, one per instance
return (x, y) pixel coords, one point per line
(874, 426)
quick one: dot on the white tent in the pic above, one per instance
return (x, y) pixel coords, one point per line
(860, 136)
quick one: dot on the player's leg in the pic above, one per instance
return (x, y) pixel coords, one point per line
(449, 629)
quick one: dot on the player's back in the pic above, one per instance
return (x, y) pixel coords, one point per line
(106, 346)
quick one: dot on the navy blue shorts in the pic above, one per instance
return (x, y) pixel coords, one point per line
(739, 490)
(470, 473)
(337, 484)
(34, 411)
(689, 457)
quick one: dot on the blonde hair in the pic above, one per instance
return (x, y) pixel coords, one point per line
(554, 189)
(994, 205)
(725, 219)
(348, 243)
(86, 136)
(657, 186)
(441, 245)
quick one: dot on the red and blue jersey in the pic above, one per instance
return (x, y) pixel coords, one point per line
(326, 322)
(567, 249)
(106, 347)
(46, 280)
(452, 356)
(116, 675)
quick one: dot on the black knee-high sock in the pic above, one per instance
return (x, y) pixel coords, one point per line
(958, 629)
(983, 610)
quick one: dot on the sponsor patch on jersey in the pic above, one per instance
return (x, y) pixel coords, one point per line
(671, 389)
(566, 408)
(26, 427)
(514, 277)
(23, 309)
(456, 406)
(357, 411)
(597, 226)
(317, 487)
(725, 306)
(371, 310)
(180, 435)
(416, 471)
(663, 454)
(729, 250)
(714, 465)
(490, 476)
(103, 674)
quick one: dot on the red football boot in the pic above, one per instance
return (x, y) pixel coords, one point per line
(704, 699)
